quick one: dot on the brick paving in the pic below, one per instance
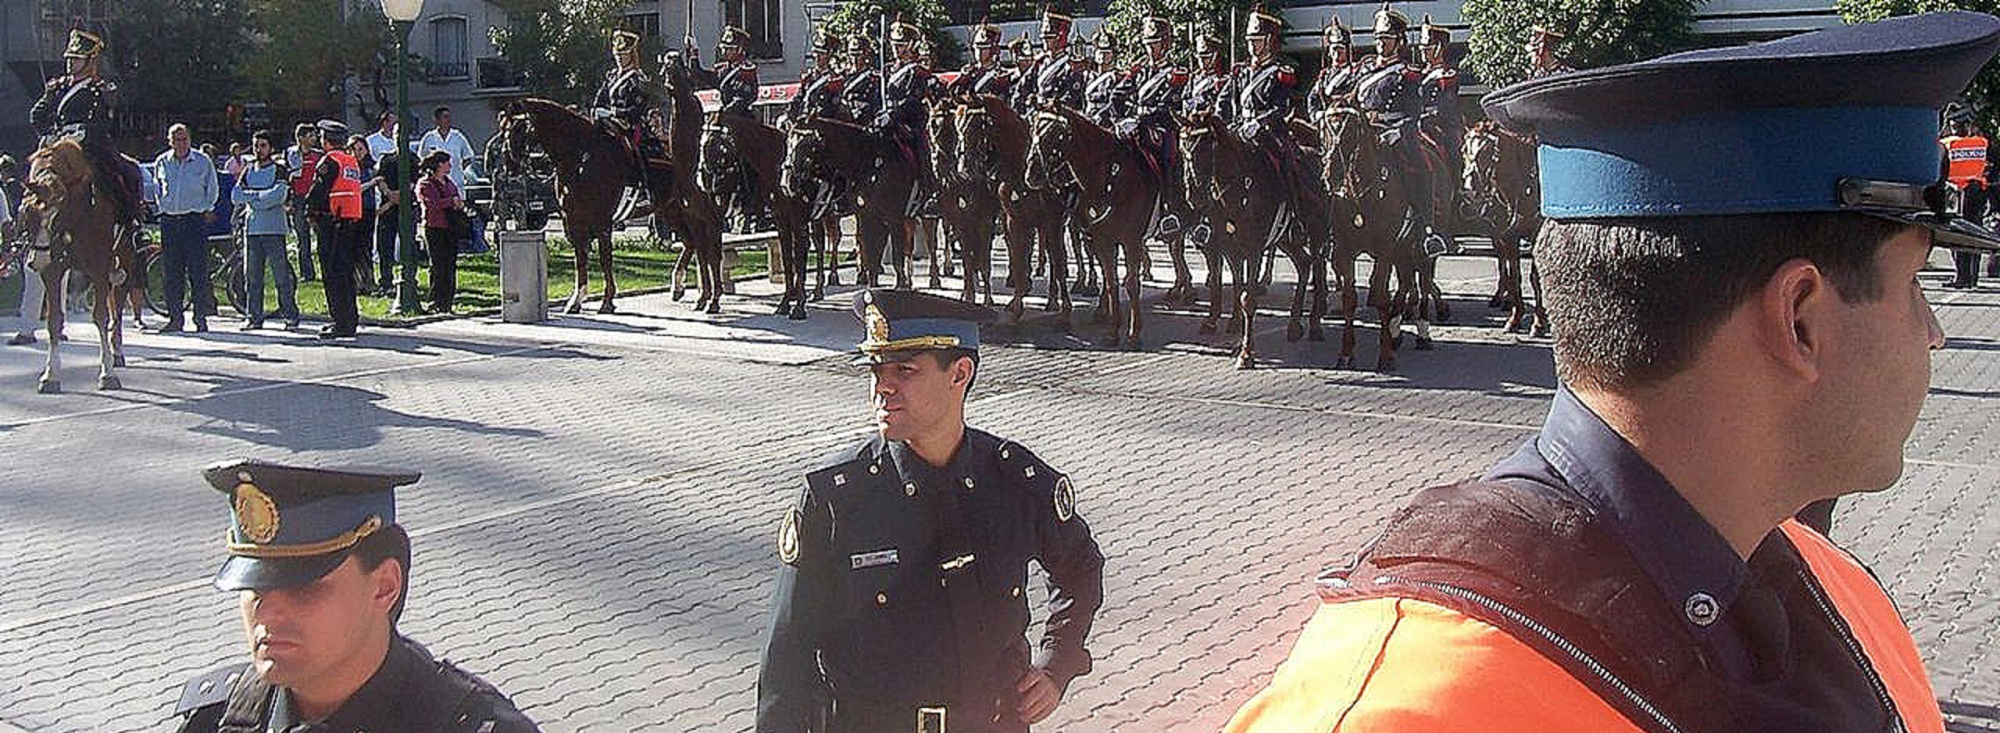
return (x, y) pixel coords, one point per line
(595, 532)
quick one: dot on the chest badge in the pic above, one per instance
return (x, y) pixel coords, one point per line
(1065, 499)
(788, 539)
(878, 558)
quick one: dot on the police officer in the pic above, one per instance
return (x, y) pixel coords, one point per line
(1438, 88)
(1388, 90)
(82, 105)
(901, 598)
(985, 75)
(333, 203)
(1263, 88)
(1542, 60)
(321, 569)
(1055, 77)
(1966, 169)
(1208, 90)
(1108, 95)
(1335, 84)
(1155, 99)
(1634, 566)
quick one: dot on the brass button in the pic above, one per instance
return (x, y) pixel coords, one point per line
(1006, 454)
(874, 468)
(1016, 592)
(910, 488)
(1702, 609)
(881, 599)
(968, 482)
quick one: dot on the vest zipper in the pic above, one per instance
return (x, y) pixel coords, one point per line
(1854, 650)
(1549, 635)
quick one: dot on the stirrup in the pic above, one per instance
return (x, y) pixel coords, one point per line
(1434, 245)
(1170, 225)
(1199, 235)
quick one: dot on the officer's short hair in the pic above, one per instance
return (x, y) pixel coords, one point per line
(947, 357)
(388, 543)
(1632, 301)
(301, 130)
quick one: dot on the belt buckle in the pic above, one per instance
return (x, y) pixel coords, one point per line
(930, 719)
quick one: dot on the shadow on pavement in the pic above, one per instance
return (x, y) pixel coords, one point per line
(313, 417)
(376, 340)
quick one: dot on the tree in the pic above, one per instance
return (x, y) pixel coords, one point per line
(306, 51)
(863, 18)
(1984, 94)
(1191, 18)
(1601, 32)
(177, 56)
(561, 48)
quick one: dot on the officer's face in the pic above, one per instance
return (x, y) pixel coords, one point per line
(918, 397)
(1261, 45)
(305, 635)
(1877, 370)
(1341, 54)
(625, 59)
(74, 65)
(1388, 44)
(1156, 48)
(989, 55)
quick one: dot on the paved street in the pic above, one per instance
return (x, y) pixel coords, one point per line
(596, 529)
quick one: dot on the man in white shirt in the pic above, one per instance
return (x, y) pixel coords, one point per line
(451, 141)
(382, 142)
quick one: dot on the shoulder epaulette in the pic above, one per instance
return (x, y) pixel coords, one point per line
(211, 688)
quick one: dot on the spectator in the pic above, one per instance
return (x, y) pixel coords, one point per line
(440, 195)
(364, 230)
(382, 142)
(31, 285)
(237, 161)
(390, 182)
(334, 202)
(261, 188)
(300, 160)
(185, 188)
(451, 141)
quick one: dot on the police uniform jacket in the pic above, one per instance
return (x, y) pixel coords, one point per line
(1107, 98)
(411, 693)
(626, 95)
(903, 585)
(1263, 95)
(735, 84)
(85, 106)
(910, 88)
(1208, 92)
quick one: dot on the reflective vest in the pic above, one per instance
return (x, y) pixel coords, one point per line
(344, 201)
(1395, 664)
(1965, 160)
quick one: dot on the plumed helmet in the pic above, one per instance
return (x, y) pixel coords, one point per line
(624, 41)
(1390, 22)
(1154, 29)
(1338, 34)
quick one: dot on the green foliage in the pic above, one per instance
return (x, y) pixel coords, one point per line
(1984, 94)
(177, 55)
(1601, 32)
(561, 48)
(863, 17)
(1191, 18)
(305, 49)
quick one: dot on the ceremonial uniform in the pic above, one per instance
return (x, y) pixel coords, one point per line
(993, 79)
(861, 95)
(1575, 587)
(1389, 91)
(901, 601)
(626, 100)
(1151, 123)
(1263, 93)
(1208, 91)
(1437, 90)
(1056, 77)
(84, 110)
(1106, 99)
(292, 526)
(1334, 86)
(735, 84)
(904, 102)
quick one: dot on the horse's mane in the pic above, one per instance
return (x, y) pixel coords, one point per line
(539, 106)
(62, 164)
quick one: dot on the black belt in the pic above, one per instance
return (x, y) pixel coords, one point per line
(183, 216)
(879, 717)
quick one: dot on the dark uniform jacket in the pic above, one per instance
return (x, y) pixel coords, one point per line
(996, 80)
(1208, 91)
(1158, 94)
(1263, 95)
(1388, 90)
(904, 100)
(905, 585)
(735, 84)
(411, 693)
(861, 95)
(1438, 93)
(626, 96)
(1333, 86)
(83, 108)
(1052, 80)
(819, 96)
(1107, 98)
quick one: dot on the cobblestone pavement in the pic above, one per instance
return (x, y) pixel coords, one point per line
(595, 531)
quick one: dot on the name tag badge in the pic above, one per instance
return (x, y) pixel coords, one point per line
(877, 558)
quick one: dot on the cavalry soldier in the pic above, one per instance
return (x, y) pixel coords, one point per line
(1107, 97)
(322, 571)
(985, 75)
(1542, 60)
(1208, 87)
(1158, 96)
(1388, 90)
(821, 84)
(861, 92)
(1438, 89)
(1263, 91)
(625, 102)
(901, 600)
(81, 105)
(734, 78)
(1335, 84)
(1056, 76)
(1634, 567)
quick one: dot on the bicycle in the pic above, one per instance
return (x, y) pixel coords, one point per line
(226, 253)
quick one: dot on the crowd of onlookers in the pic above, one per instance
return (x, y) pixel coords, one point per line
(324, 208)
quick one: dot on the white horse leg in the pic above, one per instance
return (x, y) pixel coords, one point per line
(53, 310)
(106, 353)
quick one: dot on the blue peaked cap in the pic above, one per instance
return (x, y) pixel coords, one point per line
(1843, 119)
(291, 525)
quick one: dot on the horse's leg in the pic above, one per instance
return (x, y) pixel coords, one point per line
(53, 310)
(1429, 300)
(1537, 308)
(1020, 266)
(104, 300)
(1247, 291)
(1135, 270)
(1442, 309)
(579, 240)
(710, 230)
(1243, 274)
(606, 305)
(1108, 302)
(1302, 264)
(902, 243)
(1386, 310)
(1182, 291)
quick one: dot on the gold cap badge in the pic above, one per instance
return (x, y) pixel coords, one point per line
(256, 513)
(877, 324)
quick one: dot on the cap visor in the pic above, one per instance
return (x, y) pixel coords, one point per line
(262, 573)
(885, 357)
(1953, 233)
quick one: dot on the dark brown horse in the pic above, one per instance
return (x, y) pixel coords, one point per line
(1505, 197)
(970, 209)
(1235, 178)
(882, 179)
(993, 141)
(761, 149)
(688, 210)
(1371, 215)
(72, 226)
(1120, 201)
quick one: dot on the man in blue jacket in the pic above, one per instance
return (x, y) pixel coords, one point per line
(261, 189)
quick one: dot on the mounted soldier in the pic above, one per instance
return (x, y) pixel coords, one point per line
(1542, 59)
(985, 75)
(1335, 84)
(1157, 97)
(734, 78)
(1056, 76)
(626, 104)
(1388, 91)
(1208, 87)
(1108, 96)
(1441, 120)
(861, 93)
(1263, 92)
(81, 105)
(907, 93)
(821, 84)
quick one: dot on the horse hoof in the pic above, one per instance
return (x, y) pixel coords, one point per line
(937, 284)
(1295, 332)
(1495, 302)
(797, 314)
(1245, 362)
(1397, 342)
(118, 361)
(49, 386)
(1385, 366)
(818, 296)
(1345, 362)
(1444, 313)
(572, 309)
(1424, 344)
(109, 382)
(1135, 344)
(1541, 332)
(714, 308)
(607, 309)
(677, 295)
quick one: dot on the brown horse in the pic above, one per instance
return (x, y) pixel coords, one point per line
(760, 147)
(971, 211)
(1505, 194)
(882, 179)
(993, 141)
(1372, 216)
(1120, 201)
(1234, 178)
(72, 225)
(689, 211)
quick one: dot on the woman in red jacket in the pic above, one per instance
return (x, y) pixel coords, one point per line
(441, 197)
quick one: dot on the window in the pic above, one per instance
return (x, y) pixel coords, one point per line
(646, 24)
(448, 53)
(759, 18)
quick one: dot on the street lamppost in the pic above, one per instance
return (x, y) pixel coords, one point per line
(402, 15)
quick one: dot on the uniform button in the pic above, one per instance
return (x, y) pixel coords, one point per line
(881, 599)
(968, 482)
(1031, 472)
(1015, 593)
(1702, 609)
(910, 488)
(1006, 454)
(874, 468)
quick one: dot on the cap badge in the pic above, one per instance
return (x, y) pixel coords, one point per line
(256, 513)
(877, 323)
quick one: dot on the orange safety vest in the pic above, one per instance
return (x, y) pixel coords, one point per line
(1398, 664)
(1965, 160)
(344, 201)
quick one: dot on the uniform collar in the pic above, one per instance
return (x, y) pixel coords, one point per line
(374, 707)
(1690, 562)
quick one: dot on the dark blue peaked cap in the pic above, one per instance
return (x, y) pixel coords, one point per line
(290, 525)
(1843, 119)
(899, 324)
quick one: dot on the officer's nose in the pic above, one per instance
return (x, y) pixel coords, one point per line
(1936, 335)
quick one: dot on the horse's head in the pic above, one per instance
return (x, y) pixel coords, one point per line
(802, 156)
(1347, 147)
(1481, 153)
(718, 151)
(1050, 146)
(978, 159)
(516, 133)
(1200, 140)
